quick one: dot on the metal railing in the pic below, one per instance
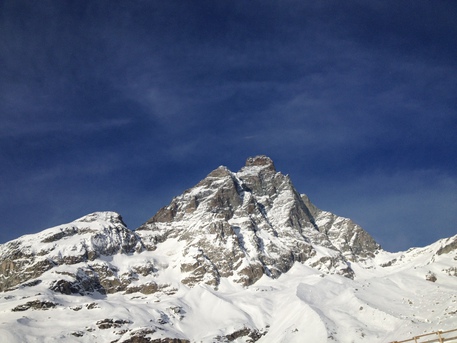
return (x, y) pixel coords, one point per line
(438, 337)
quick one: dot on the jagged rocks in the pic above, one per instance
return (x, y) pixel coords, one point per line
(452, 271)
(250, 274)
(86, 239)
(252, 335)
(20, 267)
(92, 306)
(348, 237)
(201, 270)
(104, 279)
(85, 280)
(327, 264)
(138, 336)
(147, 288)
(143, 335)
(35, 305)
(431, 277)
(112, 323)
(250, 223)
(450, 245)
(65, 287)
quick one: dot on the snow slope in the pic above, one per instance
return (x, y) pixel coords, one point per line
(380, 304)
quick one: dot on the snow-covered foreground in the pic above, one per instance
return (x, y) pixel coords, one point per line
(382, 304)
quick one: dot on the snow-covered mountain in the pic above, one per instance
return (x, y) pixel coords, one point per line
(243, 225)
(240, 257)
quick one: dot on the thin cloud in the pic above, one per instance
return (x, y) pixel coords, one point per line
(23, 127)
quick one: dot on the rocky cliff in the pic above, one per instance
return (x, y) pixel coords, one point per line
(251, 223)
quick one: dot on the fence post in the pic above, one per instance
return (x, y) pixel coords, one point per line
(439, 336)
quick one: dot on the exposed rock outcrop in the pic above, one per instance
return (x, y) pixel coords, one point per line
(84, 240)
(254, 222)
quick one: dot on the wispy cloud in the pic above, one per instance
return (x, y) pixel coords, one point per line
(28, 126)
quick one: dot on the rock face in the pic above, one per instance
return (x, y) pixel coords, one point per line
(80, 244)
(252, 223)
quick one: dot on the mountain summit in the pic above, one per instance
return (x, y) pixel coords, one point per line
(251, 223)
(240, 257)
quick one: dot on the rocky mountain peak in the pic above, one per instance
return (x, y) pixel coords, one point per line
(221, 171)
(107, 217)
(251, 223)
(261, 161)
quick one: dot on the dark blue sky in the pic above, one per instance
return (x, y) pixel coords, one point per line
(121, 105)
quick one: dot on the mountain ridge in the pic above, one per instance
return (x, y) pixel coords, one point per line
(240, 257)
(260, 216)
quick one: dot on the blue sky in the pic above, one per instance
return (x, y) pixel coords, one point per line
(121, 105)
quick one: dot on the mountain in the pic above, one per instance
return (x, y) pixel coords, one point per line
(240, 257)
(244, 225)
